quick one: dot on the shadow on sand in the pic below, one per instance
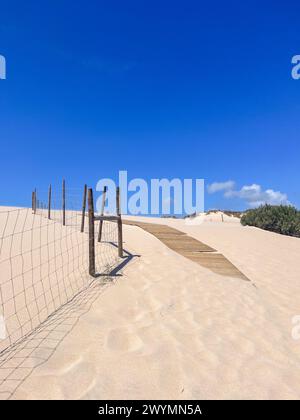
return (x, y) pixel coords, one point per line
(18, 361)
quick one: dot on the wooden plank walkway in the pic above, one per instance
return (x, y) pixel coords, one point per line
(191, 248)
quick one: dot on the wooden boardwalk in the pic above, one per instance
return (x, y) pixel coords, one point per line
(191, 248)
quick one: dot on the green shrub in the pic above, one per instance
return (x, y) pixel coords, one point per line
(279, 219)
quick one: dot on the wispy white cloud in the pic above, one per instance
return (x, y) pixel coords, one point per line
(220, 186)
(254, 195)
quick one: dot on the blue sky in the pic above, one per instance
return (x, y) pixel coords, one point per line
(187, 89)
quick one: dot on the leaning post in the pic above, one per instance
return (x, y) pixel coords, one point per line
(35, 201)
(120, 229)
(92, 268)
(102, 214)
(32, 201)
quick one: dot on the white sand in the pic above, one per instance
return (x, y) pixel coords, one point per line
(171, 329)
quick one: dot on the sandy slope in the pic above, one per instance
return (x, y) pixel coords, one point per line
(42, 266)
(171, 329)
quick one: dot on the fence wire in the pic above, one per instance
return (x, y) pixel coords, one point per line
(43, 272)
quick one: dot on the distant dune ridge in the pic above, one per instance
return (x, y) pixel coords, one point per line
(170, 328)
(282, 219)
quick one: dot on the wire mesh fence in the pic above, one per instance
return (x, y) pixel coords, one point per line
(44, 265)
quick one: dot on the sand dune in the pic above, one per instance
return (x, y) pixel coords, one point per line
(169, 328)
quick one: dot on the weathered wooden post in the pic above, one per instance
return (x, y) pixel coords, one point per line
(102, 214)
(64, 202)
(83, 207)
(49, 201)
(35, 201)
(120, 232)
(92, 268)
(32, 201)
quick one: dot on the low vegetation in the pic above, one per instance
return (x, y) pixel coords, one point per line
(279, 219)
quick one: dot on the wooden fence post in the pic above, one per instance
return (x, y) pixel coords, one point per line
(64, 202)
(92, 268)
(33, 201)
(49, 201)
(102, 214)
(83, 208)
(120, 229)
